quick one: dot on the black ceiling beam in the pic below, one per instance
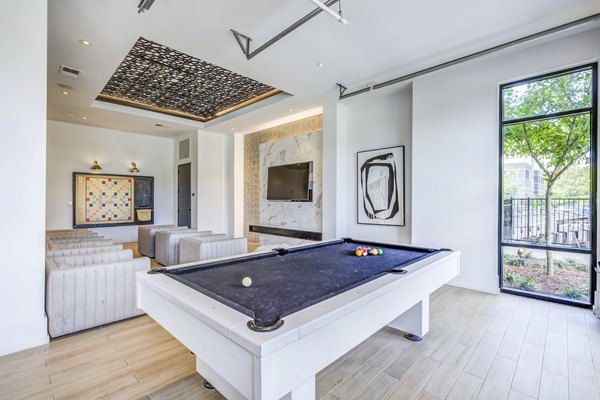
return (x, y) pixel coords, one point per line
(244, 41)
(144, 5)
(512, 43)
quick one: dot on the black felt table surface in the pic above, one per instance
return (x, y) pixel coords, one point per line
(284, 284)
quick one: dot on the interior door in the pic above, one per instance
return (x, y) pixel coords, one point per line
(184, 195)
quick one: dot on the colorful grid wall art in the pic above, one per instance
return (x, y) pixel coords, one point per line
(102, 199)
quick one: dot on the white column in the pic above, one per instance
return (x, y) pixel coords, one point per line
(212, 181)
(334, 175)
(238, 185)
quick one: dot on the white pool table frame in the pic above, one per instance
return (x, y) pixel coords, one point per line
(243, 364)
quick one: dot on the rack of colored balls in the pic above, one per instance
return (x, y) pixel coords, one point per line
(365, 251)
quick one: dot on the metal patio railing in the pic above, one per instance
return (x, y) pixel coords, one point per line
(524, 219)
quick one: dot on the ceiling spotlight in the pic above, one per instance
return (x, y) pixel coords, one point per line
(95, 166)
(233, 129)
(84, 117)
(85, 42)
(65, 92)
(321, 65)
(144, 5)
(291, 109)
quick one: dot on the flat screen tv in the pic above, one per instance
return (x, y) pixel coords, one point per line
(290, 182)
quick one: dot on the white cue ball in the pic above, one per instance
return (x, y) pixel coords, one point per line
(246, 282)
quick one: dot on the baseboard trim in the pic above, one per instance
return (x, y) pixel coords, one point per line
(477, 288)
(24, 335)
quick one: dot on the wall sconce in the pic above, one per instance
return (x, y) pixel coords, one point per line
(134, 169)
(95, 166)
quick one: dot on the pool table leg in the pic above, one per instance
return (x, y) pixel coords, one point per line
(306, 391)
(414, 321)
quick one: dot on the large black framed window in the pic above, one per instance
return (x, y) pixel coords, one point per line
(547, 186)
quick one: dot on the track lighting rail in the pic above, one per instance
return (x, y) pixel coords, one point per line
(245, 41)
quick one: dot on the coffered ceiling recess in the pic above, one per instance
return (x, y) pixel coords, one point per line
(157, 78)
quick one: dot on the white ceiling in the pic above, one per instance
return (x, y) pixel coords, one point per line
(385, 39)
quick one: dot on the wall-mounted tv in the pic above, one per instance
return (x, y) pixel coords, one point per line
(290, 182)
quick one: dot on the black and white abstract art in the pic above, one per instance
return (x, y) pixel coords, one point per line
(381, 186)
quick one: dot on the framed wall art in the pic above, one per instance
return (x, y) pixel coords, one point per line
(380, 194)
(109, 200)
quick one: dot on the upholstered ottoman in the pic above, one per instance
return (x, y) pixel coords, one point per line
(91, 290)
(147, 235)
(69, 230)
(202, 248)
(66, 235)
(78, 245)
(83, 251)
(167, 243)
(76, 239)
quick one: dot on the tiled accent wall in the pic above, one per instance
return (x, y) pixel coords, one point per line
(305, 216)
(252, 142)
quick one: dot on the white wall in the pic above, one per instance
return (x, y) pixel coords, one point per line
(372, 121)
(71, 148)
(214, 209)
(455, 150)
(23, 161)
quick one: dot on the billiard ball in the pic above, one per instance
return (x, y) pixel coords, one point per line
(358, 252)
(374, 252)
(246, 282)
(379, 251)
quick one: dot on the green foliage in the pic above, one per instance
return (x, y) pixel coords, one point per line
(509, 259)
(555, 144)
(574, 182)
(574, 293)
(511, 277)
(526, 284)
(548, 96)
(571, 264)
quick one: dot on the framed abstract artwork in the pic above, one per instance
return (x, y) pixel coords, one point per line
(109, 200)
(380, 194)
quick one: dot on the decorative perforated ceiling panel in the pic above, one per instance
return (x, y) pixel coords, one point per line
(157, 78)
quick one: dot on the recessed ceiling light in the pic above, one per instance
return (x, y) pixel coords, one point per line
(85, 42)
(291, 109)
(321, 65)
(161, 125)
(65, 92)
(84, 117)
(233, 129)
(70, 114)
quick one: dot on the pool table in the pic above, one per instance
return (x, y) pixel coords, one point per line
(306, 307)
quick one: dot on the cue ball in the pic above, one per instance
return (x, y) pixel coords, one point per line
(246, 282)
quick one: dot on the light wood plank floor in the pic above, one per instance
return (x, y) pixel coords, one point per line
(479, 347)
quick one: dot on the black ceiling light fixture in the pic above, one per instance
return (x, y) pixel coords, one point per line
(158, 78)
(144, 5)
